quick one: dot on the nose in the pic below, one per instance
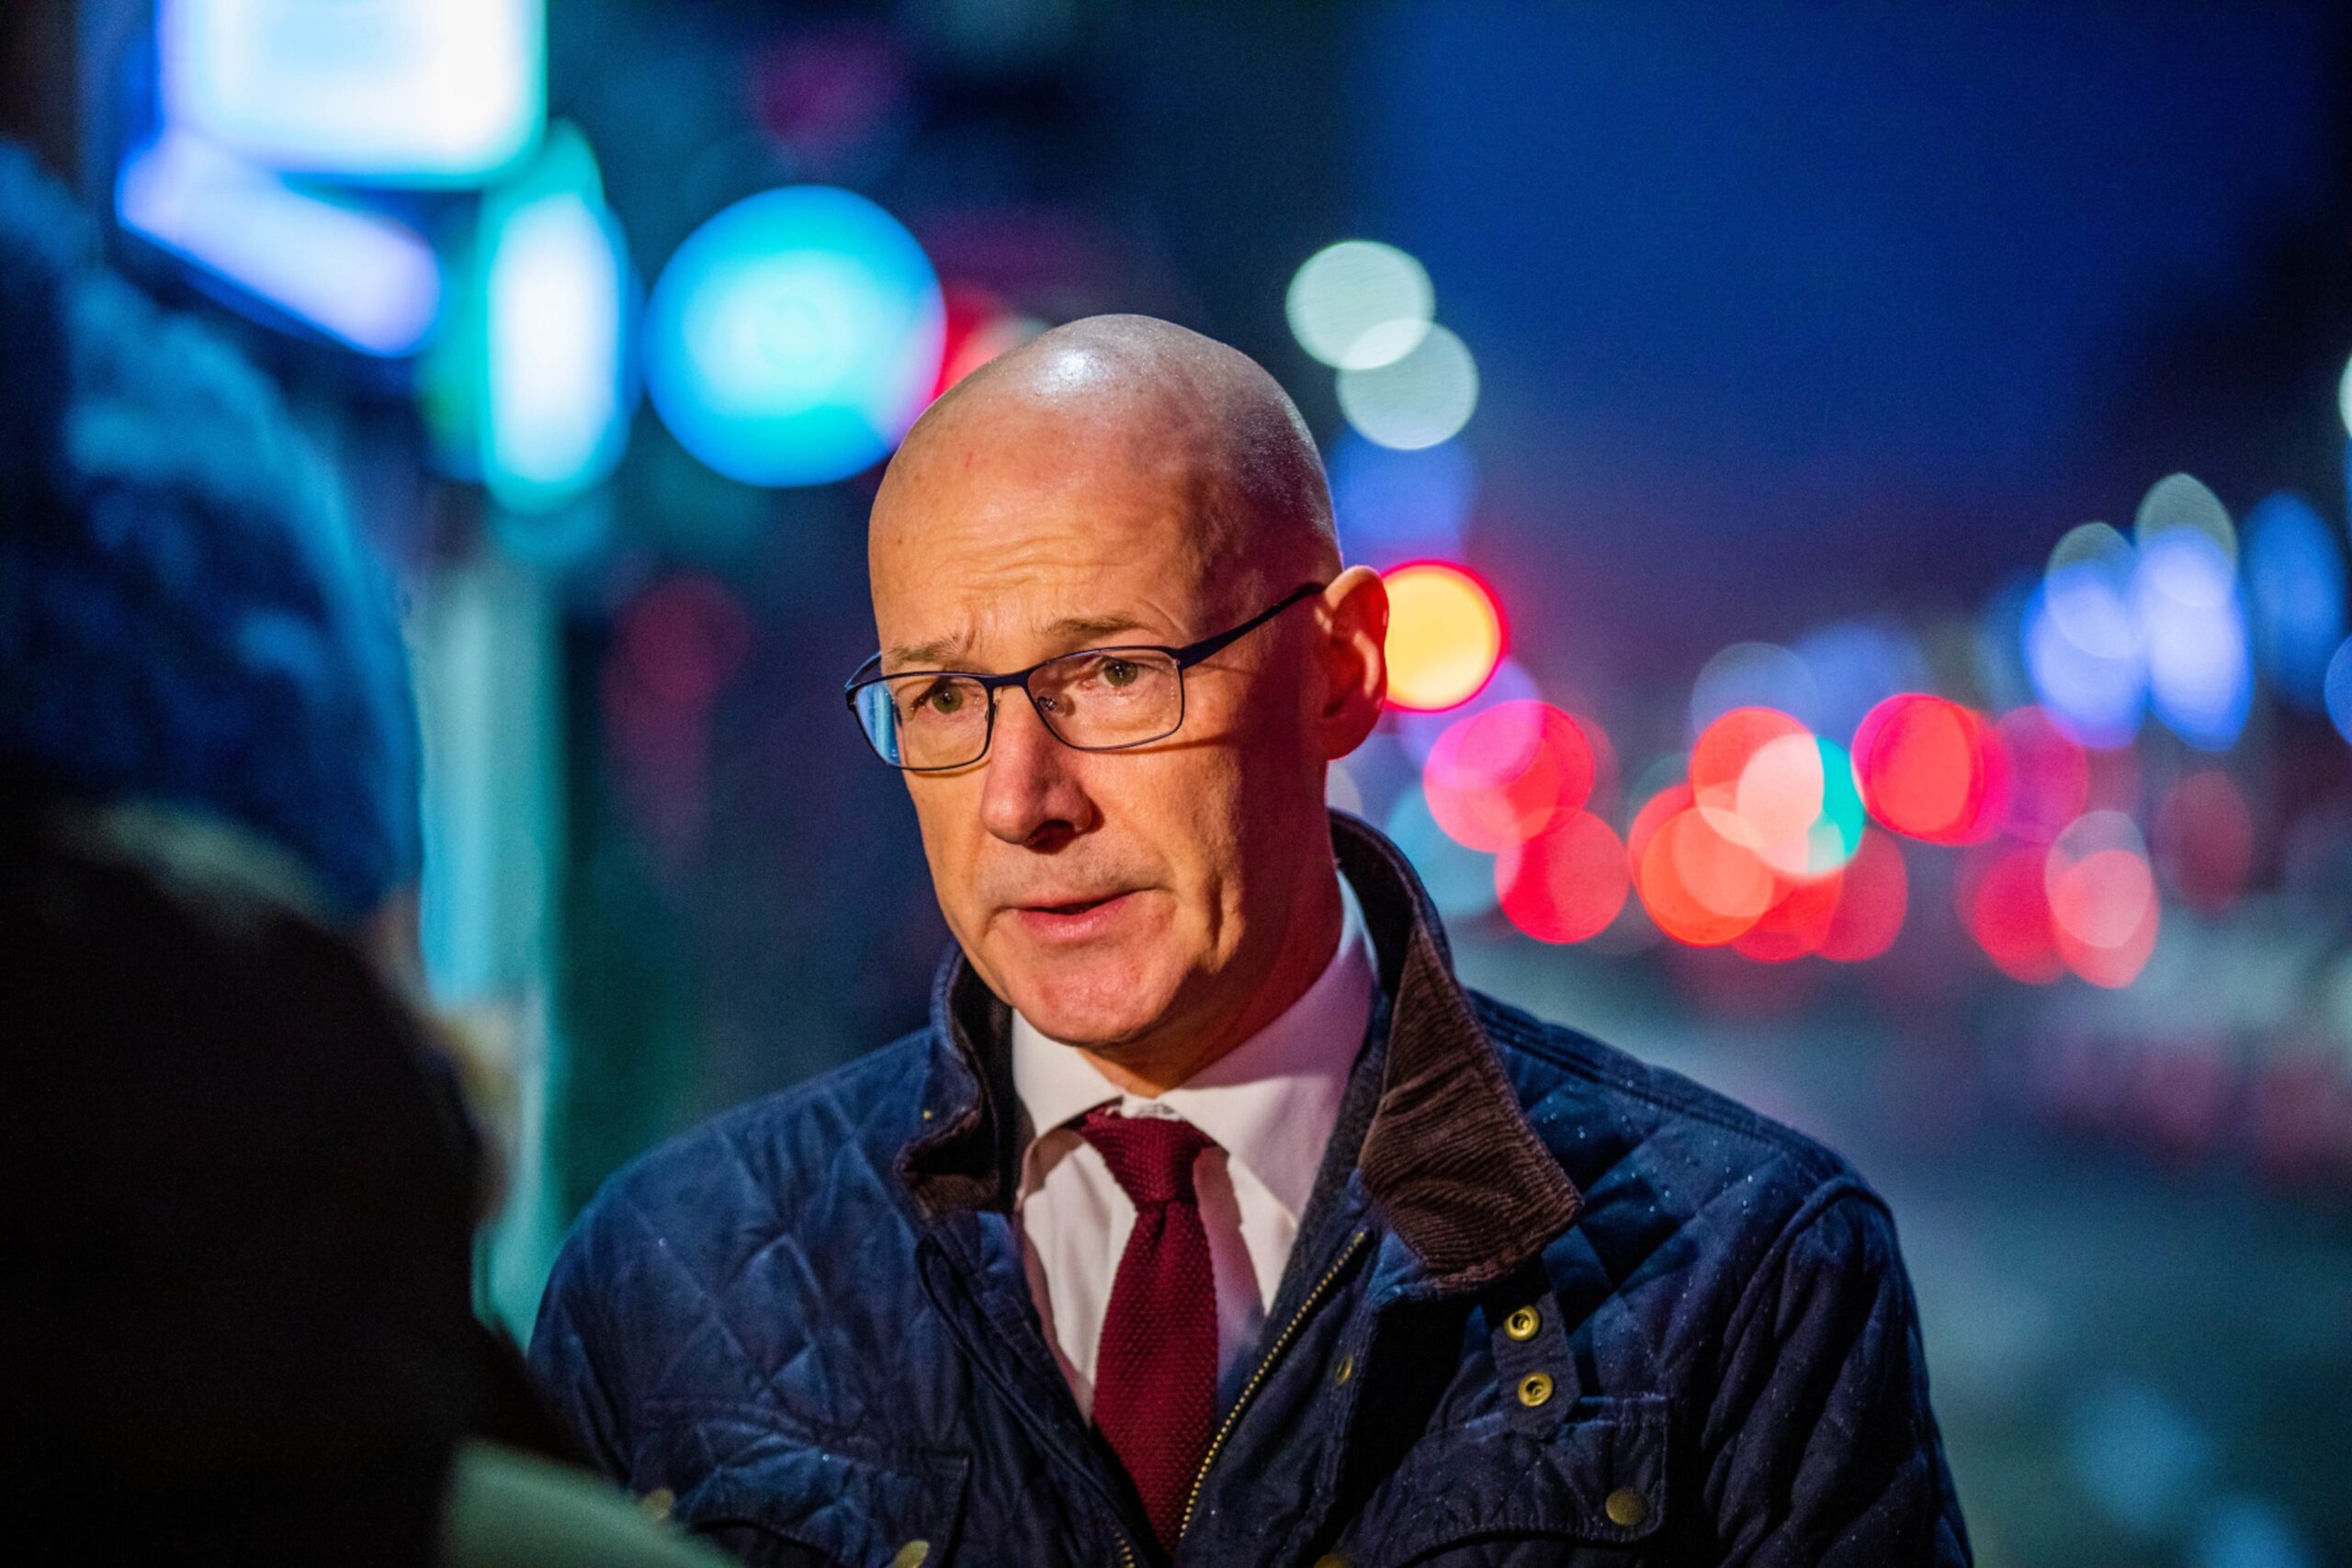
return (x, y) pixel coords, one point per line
(1033, 796)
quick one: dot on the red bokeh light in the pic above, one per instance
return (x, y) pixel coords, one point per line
(1564, 884)
(1725, 748)
(1797, 923)
(2006, 906)
(1875, 896)
(2205, 839)
(1501, 778)
(2050, 776)
(1932, 769)
(2104, 910)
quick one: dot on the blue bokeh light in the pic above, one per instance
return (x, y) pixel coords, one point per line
(2337, 688)
(2201, 675)
(2295, 586)
(2082, 655)
(794, 337)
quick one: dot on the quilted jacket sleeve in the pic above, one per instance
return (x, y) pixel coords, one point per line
(1820, 1449)
(570, 1353)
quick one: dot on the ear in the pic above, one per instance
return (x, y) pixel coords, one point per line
(1352, 621)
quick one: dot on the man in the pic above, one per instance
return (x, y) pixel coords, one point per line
(1211, 1220)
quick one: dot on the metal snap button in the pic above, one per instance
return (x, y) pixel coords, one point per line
(911, 1555)
(1344, 1371)
(1534, 1389)
(1523, 1324)
(655, 1505)
(1627, 1508)
(1330, 1560)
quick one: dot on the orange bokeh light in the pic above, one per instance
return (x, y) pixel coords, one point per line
(1500, 777)
(1702, 879)
(1564, 884)
(1445, 635)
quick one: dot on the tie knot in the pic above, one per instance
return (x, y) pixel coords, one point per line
(1150, 1156)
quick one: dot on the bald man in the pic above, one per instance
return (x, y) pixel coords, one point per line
(1211, 1220)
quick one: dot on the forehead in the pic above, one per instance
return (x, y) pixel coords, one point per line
(985, 539)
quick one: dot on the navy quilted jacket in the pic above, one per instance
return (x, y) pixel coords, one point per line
(1548, 1305)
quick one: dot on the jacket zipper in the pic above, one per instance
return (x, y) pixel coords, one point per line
(1265, 1364)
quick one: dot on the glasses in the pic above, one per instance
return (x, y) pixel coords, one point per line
(1098, 699)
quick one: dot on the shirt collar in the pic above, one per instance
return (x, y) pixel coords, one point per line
(1271, 1103)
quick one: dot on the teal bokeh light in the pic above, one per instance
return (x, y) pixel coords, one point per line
(794, 337)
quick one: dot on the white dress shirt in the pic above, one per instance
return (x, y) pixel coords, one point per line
(1271, 1103)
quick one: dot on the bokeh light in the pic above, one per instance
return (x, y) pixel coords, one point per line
(1393, 507)
(1420, 399)
(2180, 502)
(2204, 835)
(2295, 592)
(1873, 896)
(1856, 665)
(557, 380)
(2050, 776)
(1445, 635)
(2103, 902)
(794, 337)
(1566, 884)
(2081, 639)
(2004, 903)
(1498, 778)
(1796, 925)
(361, 279)
(435, 92)
(2201, 675)
(2336, 690)
(978, 328)
(1755, 674)
(1701, 878)
(1720, 753)
(1932, 769)
(1461, 882)
(1359, 305)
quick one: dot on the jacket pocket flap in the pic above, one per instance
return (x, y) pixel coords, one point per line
(854, 1506)
(1599, 1476)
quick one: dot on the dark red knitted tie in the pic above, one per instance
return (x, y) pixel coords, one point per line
(1155, 1372)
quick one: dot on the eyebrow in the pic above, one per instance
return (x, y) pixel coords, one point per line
(1070, 632)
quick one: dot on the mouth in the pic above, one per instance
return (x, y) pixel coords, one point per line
(1074, 918)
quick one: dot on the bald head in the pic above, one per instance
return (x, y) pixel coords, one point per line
(1202, 421)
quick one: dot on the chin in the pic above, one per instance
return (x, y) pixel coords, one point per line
(1095, 1001)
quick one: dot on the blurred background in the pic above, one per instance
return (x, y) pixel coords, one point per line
(1864, 493)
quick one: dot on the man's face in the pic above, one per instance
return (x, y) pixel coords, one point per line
(1113, 897)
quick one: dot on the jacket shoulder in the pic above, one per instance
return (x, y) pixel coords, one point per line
(1613, 1118)
(838, 1130)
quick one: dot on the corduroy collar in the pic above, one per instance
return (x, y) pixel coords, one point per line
(1449, 1161)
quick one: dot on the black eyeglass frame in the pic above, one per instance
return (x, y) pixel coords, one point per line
(1183, 658)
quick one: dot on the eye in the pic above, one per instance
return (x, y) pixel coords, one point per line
(941, 699)
(1118, 672)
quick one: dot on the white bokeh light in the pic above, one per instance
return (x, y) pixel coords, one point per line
(1359, 305)
(1425, 398)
